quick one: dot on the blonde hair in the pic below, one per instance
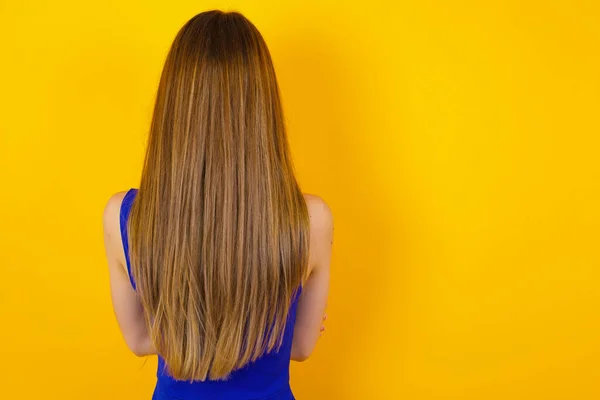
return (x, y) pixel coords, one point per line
(219, 230)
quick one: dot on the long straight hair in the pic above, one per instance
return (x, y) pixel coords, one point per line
(219, 228)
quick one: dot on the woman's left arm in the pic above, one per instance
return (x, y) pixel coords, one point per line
(126, 303)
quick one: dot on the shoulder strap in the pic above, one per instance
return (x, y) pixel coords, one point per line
(124, 216)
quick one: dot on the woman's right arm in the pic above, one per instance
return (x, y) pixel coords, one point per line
(313, 300)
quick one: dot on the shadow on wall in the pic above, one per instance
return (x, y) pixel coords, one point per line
(325, 92)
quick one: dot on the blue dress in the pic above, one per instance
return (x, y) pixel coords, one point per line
(265, 379)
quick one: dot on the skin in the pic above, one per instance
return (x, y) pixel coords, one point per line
(310, 315)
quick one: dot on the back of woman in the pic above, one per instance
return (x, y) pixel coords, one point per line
(218, 263)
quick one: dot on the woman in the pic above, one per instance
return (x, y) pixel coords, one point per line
(218, 263)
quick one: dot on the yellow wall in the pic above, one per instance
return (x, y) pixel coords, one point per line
(456, 141)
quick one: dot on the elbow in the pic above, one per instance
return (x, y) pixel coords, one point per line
(300, 357)
(136, 348)
(300, 353)
(138, 351)
(141, 347)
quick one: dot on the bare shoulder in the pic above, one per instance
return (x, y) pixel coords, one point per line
(112, 210)
(112, 229)
(111, 221)
(321, 231)
(321, 216)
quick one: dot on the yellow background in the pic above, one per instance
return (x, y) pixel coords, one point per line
(456, 141)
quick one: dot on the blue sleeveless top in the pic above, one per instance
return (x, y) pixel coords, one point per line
(265, 379)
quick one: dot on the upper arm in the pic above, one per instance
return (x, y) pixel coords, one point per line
(112, 233)
(321, 234)
(126, 304)
(313, 299)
